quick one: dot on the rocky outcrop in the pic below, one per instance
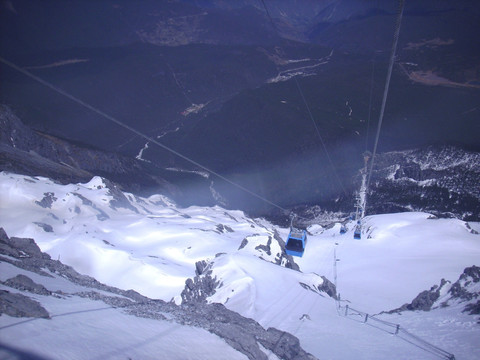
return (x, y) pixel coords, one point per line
(465, 291)
(425, 300)
(24, 283)
(102, 215)
(202, 286)
(328, 287)
(18, 305)
(264, 249)
(47, 201)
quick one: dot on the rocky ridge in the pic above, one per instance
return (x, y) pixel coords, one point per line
(30, 152)
(464, 291)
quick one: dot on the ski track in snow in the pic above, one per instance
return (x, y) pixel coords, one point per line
(154, 250)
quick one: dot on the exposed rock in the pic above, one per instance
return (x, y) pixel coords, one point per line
(26, 247)
(108, 243)
(244, 334)
(24, 283)
(464, 290)
(102, 215)
(202, 286)
(461, 289)
(285, 259)
(47, 201)
(45, 227)
(472, 231)
(224, 228)
(266, 248)
(18, 305)
(425, 300)
(284, 345)
(269, 250)
(119, 199)
(200, 267)
(5, 245)
(243, 244)
(473, 308)
(328, 287)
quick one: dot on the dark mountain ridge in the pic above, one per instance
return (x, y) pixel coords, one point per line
(438, 179)
(29, 152)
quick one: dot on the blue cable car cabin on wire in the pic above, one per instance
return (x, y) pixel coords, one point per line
(296, 241)
(357, 234)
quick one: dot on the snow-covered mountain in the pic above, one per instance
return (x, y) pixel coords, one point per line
(438, 179)
(207, 282)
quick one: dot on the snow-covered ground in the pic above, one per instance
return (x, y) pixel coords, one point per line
(84, 329)
(151, 246)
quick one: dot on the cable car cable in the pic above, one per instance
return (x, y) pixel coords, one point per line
(319, 135)
(271, 20)
(370, 102)
(122, 124)
(308, 107)
(387, 85)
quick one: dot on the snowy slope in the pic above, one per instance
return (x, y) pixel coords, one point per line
(400, 255)
(143, 244)
(80, 328)
(71, 316)
(152, 246)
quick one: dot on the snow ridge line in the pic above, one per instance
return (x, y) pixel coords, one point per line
(386, 326)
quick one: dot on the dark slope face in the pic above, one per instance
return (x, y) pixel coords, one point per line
(203, 77)
(146, 86)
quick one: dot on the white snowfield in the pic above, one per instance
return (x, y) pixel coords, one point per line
(152, 246)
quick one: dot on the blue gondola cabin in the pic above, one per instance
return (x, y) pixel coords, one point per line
(296, 241)
(357, 234)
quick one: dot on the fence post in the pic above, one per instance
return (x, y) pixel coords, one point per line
(366, 318)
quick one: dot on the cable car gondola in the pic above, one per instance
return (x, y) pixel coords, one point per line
(357, 234)
(296, 241)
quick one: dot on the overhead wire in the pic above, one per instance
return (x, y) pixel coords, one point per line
(271, 20)
(370, 102)
(307, 107)
(137, 132)
(387, 85)
(426, 346)
(319, 135)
